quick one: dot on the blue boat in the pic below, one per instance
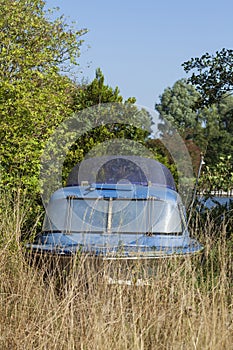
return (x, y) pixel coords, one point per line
(117, 208)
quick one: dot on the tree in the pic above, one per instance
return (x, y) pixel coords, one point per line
(34, 95)
(96, 92)
(219, 130)
(207, 129)
(212, 75)
(213, 78)
(176, 106)
(134, 124)
(219, 177)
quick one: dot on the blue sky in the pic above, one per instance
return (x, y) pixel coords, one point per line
(140, 45)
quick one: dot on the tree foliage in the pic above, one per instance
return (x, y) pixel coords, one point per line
(100, 104)
(207, 129)
(31, 43)
(95, 92)
(212, 75)
(176, 106)
(219, 177)
(34, 95)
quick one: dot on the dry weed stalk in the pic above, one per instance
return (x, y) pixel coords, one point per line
(186, 305)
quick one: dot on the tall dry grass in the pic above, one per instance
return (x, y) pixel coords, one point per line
(187, 304)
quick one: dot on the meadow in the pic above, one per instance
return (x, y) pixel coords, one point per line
(184, 303)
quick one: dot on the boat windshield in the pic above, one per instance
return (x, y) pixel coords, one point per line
(115, 169)
(114, 215)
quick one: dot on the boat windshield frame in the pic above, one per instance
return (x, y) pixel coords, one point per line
(108, 216)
